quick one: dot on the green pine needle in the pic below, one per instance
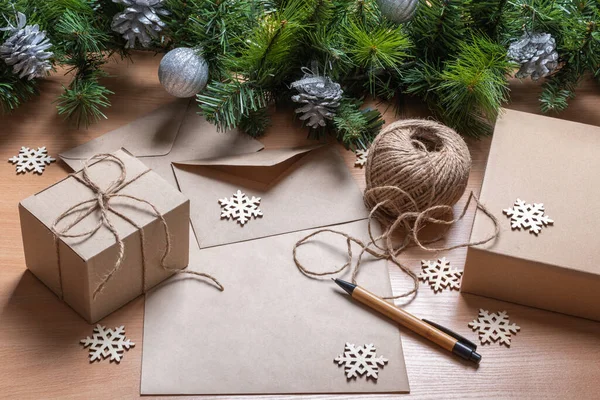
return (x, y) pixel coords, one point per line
(255, 123)
(474, 86)
(225, 104)
(354, 127)
(79, 35)
(83, 101)
(376, 51)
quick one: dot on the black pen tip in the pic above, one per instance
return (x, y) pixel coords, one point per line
(347, 286)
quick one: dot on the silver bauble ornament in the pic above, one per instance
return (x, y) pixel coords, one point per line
(398, 11)
(183, 72)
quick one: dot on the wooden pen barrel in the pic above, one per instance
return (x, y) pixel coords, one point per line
(405, 319)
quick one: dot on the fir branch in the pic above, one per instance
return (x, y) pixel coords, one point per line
(541, 16)
(378, 49)
(474, 86)
(78, 35)
(321, 12)
(555, 99)
(497, 19)
(328, 50)
(422, 79)
(14, 91)
(217, 26)
(225, 104)
(356, 128)
(365, 12)
(82, 45)
(270, 48)
(438, 28)
(255, 123)
(83, 101)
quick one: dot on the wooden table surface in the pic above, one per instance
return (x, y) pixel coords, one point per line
(553, 356)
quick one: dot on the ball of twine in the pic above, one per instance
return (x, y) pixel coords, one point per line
(414, 165)
(416, 171)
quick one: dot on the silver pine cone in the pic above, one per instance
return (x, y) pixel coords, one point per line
(536, 53)
(140, 20)
(25, 49)
(320, 96)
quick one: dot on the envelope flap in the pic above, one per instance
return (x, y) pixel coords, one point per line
(151, 135)
(264, 167)
(265, 158)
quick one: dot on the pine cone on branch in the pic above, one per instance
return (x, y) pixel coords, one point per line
(536, 53)
(140, 20)
(25, 49)
(321, 97)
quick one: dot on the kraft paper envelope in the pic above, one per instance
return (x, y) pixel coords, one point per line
(300, 188)
(273, 330)
(170, 133)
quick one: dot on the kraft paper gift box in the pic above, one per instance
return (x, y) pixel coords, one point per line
(555, 162)
(76, 269)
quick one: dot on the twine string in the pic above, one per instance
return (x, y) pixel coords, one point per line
(408, 187)
(102, 203)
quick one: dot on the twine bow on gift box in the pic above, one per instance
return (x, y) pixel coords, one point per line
(102, 203)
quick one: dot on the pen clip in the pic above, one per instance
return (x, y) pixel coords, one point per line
(455, 335)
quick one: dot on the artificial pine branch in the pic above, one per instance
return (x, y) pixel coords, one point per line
(451, 54)
(377, 50)
(498, 19)
(474, 86)
(268, 55)
(255, 122)
(438, 28)
(82, 45)
(467, 93)
(217, 26)
(83, 101)
(356, 128)
(225, 104)
(14, 91)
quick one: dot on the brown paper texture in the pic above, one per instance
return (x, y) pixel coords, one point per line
(174, 132)
(272, 330)
(554, 162)
(300, 188)
(86, 261)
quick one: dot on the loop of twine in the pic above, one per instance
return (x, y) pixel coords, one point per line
(416, 171)
(101, 203)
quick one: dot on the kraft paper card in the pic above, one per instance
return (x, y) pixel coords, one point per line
(300, 188)
(273, 330)
(173, 132)
(84, 262)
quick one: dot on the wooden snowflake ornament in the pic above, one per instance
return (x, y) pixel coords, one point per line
(494, 327)
(361, 158)
(106, 343)
(30, 160)
(240, 207)
(360, 360)
(528, 216)
(440, 275)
